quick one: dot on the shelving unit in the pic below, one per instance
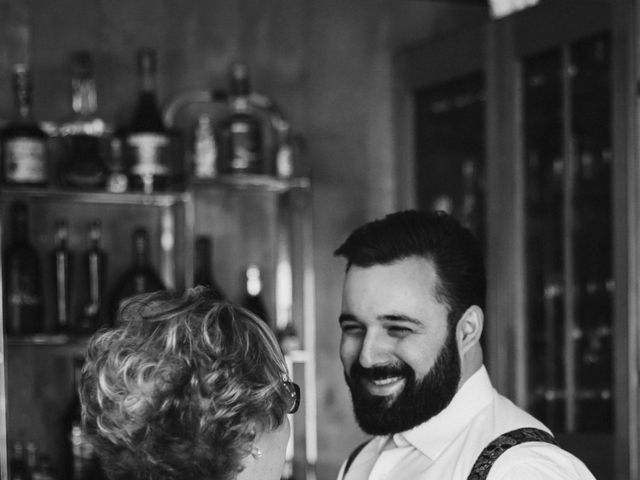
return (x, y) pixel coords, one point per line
(251, 219)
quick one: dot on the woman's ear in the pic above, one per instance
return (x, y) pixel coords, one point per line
(470, 328)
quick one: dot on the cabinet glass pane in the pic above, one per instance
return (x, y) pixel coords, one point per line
(567, 145)
(450, 145)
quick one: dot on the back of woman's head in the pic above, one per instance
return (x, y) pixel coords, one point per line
(181, 387)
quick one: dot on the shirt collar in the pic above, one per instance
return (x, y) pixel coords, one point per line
(432, 436)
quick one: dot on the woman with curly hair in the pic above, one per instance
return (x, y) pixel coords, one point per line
(187, 388)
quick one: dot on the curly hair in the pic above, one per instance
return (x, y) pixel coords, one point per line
(180, 389)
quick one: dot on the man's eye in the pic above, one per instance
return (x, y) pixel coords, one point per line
(351, 328)
(397, 330)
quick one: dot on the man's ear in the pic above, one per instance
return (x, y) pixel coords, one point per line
(470, 328)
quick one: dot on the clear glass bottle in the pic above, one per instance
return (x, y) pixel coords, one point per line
(147, 136)
(23, 295)
(23, 142)
(252, 298)
(95, 270)
(84, 134)
(141, 277)
(204, 149)
(239, 134)
(62, 268)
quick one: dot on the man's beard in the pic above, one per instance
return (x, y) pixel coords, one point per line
(416, 403)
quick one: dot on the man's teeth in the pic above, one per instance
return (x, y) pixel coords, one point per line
(386, 381)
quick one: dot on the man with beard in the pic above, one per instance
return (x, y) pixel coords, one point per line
(412, 316)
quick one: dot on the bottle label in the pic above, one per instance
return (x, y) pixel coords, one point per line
(245, 147)
(148, 153)
(25, 160)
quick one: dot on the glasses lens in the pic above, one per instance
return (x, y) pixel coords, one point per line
(294, 396)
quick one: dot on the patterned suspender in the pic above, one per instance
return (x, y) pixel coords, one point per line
(501, 444)
(490, 453)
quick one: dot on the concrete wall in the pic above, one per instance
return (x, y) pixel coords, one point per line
(328, 64)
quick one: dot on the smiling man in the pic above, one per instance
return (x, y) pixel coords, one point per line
(412, 316)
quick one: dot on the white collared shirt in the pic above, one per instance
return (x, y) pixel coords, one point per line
(447, 445)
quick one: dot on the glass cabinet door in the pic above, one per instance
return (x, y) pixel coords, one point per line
(450, 141)
(569, 229)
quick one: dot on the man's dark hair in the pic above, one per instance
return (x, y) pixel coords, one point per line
(436, 236)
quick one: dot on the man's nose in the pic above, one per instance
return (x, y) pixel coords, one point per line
(374, 351)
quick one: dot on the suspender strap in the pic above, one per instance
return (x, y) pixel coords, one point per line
(352, 457)
(501, 444)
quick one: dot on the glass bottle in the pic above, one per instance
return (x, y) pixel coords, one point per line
(22, 282)
(95, 269)
(117, 178)
(147, 136)
(203, 272)
(239, 134)
(82, 460)
(252, 298)
(204, 149)
(141, 277)
(23, 142)
(62, 268)
(84, 135)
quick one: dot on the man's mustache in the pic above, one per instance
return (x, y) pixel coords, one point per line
(380, 372)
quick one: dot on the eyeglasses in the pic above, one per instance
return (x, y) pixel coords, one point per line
(293, 398)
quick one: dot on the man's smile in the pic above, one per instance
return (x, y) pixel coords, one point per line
(384, 386)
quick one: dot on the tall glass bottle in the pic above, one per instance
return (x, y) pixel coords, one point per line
(239, 134)
(95, 270)
(203, 272)
(22, 276)
(148, 137)
(141, 277)
(252, 298)
(62, 268)
(23, 142)
(84, 134)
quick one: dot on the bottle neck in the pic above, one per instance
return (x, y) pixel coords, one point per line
(20, 230)
(61, 237)
(22, 99)
(19, 223)
(140, 250)
(84, 99)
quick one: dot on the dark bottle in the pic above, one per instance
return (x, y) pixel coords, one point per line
(147, 136)
(203, 272)
(84, 135)
(24, 143)
(252, 299)
(82, 461)
(95, 270)
(17, 463)
(22, 277)
(62, 268)
(239, 134)
(141, 277)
